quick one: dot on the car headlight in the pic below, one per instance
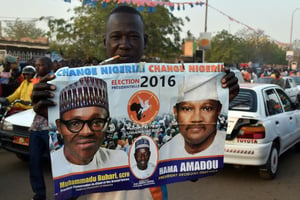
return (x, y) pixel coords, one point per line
(7, 126)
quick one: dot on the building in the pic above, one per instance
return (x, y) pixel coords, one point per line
(24, 48)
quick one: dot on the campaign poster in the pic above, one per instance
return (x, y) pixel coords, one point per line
(136, 125)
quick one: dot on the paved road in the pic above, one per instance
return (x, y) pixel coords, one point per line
(231, 183)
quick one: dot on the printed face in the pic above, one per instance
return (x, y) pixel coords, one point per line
(125, 37)
(197, 122)
(80, 148)
(142, 157)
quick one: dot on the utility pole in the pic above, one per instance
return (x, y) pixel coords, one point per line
(291, 36)
(291, 33)
(205, 28)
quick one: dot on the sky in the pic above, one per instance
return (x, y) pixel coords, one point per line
(274, 17)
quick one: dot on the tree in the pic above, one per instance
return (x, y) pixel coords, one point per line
(82, 35)
(19, 29)
(226, 48)
(243, 47)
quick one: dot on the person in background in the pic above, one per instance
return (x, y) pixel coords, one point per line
(10, 76)
(277, 79)
(39, 138)
(247, 75)
(128, 144)
(124, 36)
(23, 92)
(55, 66)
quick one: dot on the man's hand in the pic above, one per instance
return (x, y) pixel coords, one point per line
(40, 94)
(231, 81)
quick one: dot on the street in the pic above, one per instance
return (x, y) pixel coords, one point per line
(231, 183)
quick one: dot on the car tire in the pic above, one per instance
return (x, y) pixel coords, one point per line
(269, 170)
(22, 157)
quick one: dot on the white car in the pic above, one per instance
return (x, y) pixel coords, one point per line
(290, 87)
(263, 123)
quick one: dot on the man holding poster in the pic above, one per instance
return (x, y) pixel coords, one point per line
(83, 122)
(197, 114)
(125, 37)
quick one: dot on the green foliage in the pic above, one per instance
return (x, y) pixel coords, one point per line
(82, 36)
(19, 29)
(243, 47)
(163, 29)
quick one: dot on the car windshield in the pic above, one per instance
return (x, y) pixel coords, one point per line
(264, 80)
(246, 101)
(297, 79)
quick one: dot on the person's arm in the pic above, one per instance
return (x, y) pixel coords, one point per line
(16, 94)
(42, 94)
(231, 81)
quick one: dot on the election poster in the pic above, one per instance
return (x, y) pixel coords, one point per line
(136, 125)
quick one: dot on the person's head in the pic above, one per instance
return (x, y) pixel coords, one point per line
(125, 35)
(10, 63)
(43, 66)
(142, 153)
(196, 111)
(277, 73)
(55, 66)
(130, 139)
(28, 72)
(84, 118)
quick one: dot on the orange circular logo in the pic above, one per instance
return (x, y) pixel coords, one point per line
(143, 107)
(204, 42)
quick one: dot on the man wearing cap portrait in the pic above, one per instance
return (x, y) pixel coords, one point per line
(143, 168)
(84, 119)
(197, 115)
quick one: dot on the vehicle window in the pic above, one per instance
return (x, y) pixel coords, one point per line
(264, 80)
(292, 82)
(287, 83)
(287, 104)
(272, 102)
(297, 79)
(246, 100)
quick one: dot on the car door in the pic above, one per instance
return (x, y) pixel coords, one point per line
(290, 88)
(278, 119)
(291, 115)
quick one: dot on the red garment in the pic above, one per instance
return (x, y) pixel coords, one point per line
(247, 76)
(35, 80)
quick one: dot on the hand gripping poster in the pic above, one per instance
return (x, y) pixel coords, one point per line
(123, 128)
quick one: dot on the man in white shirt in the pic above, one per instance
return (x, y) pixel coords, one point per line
(143, 168)
(196, 111)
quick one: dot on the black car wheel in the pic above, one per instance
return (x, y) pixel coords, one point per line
(269, 170)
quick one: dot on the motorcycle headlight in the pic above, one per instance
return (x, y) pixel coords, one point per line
(7, 126)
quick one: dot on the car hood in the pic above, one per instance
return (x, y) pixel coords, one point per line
(23, 118)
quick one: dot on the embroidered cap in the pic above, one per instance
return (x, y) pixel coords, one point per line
(197, 88)
(142, 143)
(87, 91)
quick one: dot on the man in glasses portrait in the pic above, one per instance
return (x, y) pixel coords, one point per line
(83, 122)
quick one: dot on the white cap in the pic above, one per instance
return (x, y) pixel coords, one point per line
(195, 88)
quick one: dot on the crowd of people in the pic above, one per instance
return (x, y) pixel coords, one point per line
(251, 74)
